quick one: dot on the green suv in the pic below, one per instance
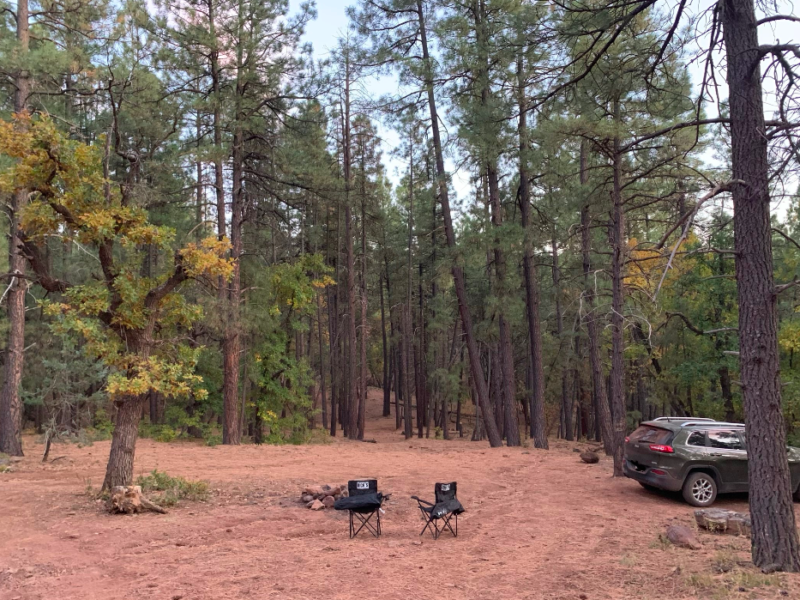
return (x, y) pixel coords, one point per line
(699, 457)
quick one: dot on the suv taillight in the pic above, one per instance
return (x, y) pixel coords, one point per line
(661, 448)
(627, 439)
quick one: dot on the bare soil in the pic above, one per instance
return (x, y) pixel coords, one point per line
(539, 524)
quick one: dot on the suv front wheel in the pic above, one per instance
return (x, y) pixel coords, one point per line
(700, 489)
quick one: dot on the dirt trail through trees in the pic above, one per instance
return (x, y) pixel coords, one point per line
(539, 524)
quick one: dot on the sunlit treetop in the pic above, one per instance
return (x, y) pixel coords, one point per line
(130, 322)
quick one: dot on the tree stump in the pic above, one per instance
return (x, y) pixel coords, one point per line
(590, 458)
(129, 500)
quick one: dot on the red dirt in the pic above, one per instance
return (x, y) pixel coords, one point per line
(539, 524)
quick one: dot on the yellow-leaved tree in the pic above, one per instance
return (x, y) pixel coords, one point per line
(132, 323)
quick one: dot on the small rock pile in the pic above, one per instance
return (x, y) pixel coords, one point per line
(318, 497)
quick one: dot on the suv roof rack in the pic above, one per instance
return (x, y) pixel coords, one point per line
(682, 419)
(715, 424)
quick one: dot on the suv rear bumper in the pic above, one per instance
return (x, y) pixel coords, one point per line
(663, 482)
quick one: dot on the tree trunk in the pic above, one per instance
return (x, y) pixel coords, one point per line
(408, 333)
(775, 540)
(566, 405)
(323, 391)
(351, 401)
(458, 274)
(119, 470)
(387, 386)
(618, 243)
(11, 412)
(364, 334)
(602, 409)
(231, 432)
(537, 423)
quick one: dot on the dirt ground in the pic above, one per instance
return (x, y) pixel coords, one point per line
(539, 524)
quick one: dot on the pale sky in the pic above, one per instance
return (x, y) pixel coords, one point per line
(331, 23)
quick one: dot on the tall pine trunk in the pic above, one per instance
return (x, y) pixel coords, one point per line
(566, 403)
(458, 274)
(537, 423)
(775, 541)
(387, 384)
(11, 412)
(350, 404)
(602, 408)
(618, 247)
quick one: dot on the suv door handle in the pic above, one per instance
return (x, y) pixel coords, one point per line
(715, 454)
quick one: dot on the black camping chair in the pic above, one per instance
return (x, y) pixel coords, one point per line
(438, 515)
(362, 502)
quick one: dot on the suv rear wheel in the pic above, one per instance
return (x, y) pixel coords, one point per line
(700, 489)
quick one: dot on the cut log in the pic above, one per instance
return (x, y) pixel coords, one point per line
(723, 521)
(129, 500)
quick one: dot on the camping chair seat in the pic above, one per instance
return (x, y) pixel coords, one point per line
(438, 515)
(362, 503)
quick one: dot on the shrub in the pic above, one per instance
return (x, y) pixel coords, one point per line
(172, 489)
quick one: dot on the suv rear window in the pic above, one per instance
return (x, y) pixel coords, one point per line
(651, 435)
(725, 439)
(697, 438)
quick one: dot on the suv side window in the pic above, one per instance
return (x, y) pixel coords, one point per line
(728, 440)
(697, 438)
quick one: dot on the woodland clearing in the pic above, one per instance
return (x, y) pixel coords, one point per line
(539, 525)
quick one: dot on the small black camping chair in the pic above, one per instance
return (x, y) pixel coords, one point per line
(362, 502)
(438, 516)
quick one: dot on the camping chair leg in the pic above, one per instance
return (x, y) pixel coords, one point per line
(365, 522)
(446, 524)
(428, 523)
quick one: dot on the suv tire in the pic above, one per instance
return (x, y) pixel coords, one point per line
(700, 489)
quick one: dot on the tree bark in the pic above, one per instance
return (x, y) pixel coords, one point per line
(387, 386)
(458, 274)
(11, 412)
(774, 538)
(231, 432)
(602, 409)
(119, 470)
(618, 247)
(537, 423)
(351, 401)
(364, 334)
(566, 405)
(408, 333)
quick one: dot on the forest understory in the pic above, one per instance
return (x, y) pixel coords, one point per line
(539, 524)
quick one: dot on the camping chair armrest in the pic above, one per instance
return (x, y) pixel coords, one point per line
(421, 501)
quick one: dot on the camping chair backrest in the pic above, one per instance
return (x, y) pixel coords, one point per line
(445, 491)
(359, 487)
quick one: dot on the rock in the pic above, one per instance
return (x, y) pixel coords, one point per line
(313, 490)
(328, 501)
(590, 458)
(576, 450)
(307, 498)
(682, 536)
(316, 505)
(723, 521)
